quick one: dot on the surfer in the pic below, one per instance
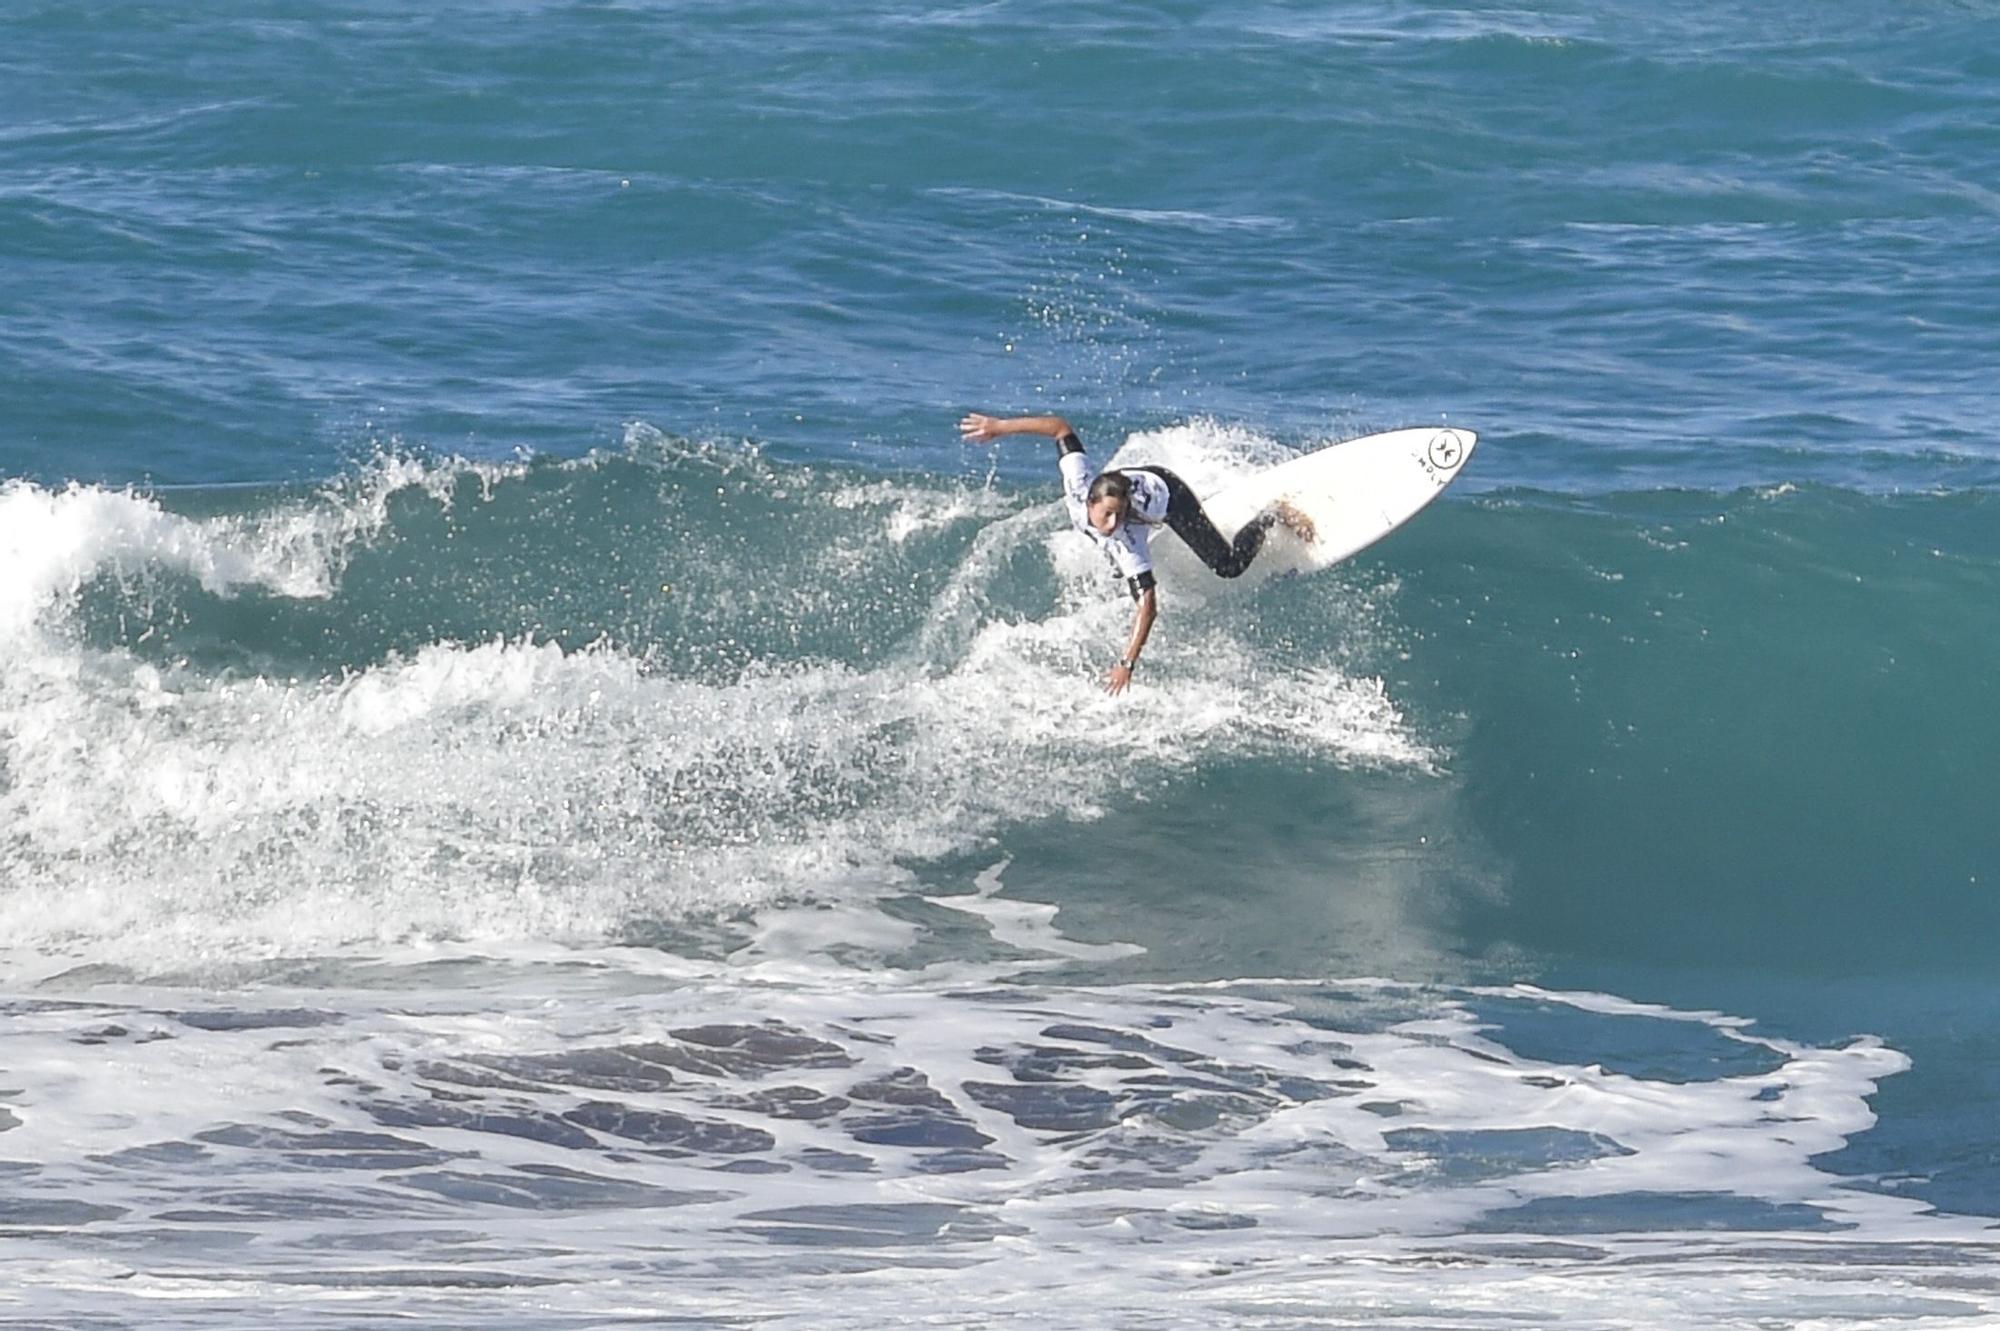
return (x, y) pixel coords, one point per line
(1118, 510)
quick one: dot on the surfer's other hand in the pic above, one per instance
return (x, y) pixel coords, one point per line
(1116, 680)
(977, 429)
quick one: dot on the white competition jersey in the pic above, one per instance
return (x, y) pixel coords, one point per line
(1126, 546)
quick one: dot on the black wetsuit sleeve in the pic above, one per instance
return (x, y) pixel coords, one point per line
(1068, 444)
(1140, 584)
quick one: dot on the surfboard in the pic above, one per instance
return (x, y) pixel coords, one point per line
(1355, 492)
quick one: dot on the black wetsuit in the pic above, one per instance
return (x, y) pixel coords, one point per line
(1188, 520)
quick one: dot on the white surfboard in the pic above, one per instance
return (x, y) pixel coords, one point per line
(1355, 492)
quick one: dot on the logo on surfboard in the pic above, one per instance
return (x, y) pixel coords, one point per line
(1446, 451)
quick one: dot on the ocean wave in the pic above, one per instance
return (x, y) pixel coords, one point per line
(672, 680)
(158, 800)
(55, 541)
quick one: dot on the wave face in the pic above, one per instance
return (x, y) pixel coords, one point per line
(1745, 726)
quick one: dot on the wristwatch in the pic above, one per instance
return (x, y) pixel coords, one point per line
(1128, 662)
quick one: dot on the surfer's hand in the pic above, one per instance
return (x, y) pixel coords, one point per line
(977, 429)
(1116, 681)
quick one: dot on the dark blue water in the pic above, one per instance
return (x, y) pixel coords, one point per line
(1694, 251)
(484, 478)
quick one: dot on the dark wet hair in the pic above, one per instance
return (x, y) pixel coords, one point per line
(1112, 485)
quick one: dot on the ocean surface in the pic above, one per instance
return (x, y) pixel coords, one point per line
(541, 786)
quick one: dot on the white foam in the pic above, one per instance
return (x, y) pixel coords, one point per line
(1213, 1193)
(515, 789)
(1028, 925)
(54, 542)
(915, 510)
(1205, 453)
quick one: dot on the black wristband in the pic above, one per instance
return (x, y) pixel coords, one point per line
(1068, 444)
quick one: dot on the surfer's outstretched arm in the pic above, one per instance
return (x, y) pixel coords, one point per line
(977, 428)
(1142, 625)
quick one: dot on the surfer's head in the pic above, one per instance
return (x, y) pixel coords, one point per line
(1109, 501)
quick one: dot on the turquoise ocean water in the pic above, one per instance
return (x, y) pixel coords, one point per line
(541, 785)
